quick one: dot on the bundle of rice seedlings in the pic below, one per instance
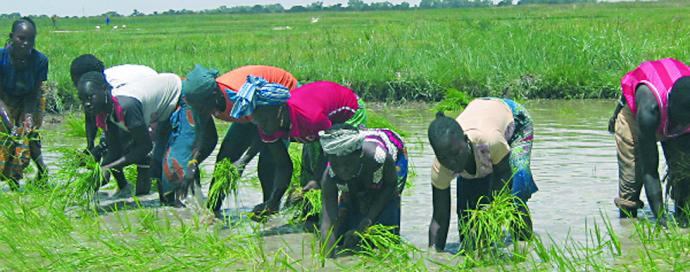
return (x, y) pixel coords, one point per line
(78, 178)
(483, 228)
(226, 178)
(295, 152)
(381, 247)
(307, 207)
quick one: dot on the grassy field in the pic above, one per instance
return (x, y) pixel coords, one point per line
(557, 51)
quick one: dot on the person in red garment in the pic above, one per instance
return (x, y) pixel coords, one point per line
(241, 142)
(298, 116)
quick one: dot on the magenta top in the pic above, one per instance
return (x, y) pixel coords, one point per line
(659, 76)
(315, 107)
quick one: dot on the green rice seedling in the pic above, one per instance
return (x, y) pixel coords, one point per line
(295, 152)
(226, 178)
(615, 243)
(483, 228)
(75, 126)
(308, 206)
(381, 248)
(411, 174)
(321, 251)
(454, 100)
(79, 177)
(130, 172)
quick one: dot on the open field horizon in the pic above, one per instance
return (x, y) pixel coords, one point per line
(534, 51)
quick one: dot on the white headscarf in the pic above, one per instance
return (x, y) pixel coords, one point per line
(341, 142)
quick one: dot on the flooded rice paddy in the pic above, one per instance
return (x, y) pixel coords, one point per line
(573, 161)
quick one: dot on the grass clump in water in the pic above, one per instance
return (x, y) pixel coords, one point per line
(226, 177)
(79, 177)
(381, 248)
(454, 100)
(74, 126)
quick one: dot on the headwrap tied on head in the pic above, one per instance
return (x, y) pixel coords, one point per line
(340, 142)
(257, 92)
(200, 85)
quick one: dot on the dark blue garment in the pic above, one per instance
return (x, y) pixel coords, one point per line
(389, 216)
(19, 83)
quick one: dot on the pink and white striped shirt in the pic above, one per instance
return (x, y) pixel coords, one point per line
(659, 76)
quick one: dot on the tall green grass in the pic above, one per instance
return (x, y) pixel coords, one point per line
(549, 51)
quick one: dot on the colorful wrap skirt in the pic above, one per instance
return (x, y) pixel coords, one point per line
(178, 152)
(521, 152)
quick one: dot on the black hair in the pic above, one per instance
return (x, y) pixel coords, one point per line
(16, 23)
(84, 64)
(444, 128)
(23, 20)
(679, 98)
(94, 77)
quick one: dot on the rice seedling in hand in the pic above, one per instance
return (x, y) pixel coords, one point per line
(381, 248)
(226, 178)
(309, 206)
(78, 178)
(483, 229)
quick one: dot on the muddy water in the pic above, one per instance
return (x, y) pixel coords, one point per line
(573, 161)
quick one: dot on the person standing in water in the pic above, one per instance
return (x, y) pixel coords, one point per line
(488, 147)
(23, 71)
(655, 106)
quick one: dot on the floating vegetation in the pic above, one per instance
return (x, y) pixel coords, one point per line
(454, 100)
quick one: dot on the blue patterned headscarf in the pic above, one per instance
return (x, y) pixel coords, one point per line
(257, 92)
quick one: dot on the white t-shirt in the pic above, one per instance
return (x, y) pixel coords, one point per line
(158, 96)
(118, 76)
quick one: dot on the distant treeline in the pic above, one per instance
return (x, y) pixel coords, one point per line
(352, 5)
